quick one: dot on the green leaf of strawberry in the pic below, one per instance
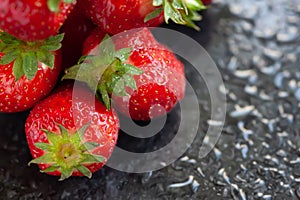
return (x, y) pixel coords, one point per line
(26, 55)
(17, 68)
(107, 70)
(29, 64)
(182, 12)
(53, 5)
(153, 14)
(66, 152)
(84, 170)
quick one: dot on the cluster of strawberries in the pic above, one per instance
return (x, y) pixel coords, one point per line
(72, 127)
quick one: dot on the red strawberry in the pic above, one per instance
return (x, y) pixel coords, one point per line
(27, 74)
(114, 16)
(76, 28)
(33, 20)
(70, 133)
(158, 83)
(162, 83)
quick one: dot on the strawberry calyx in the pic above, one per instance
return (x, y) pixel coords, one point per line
(67, 152)
(26, 55)
(182, 12)
(53, 5)
(107, 70)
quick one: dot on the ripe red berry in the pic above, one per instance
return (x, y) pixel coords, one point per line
(33, 20)
(144, 78)
(159, 87)
(28, 71)
(70, 133)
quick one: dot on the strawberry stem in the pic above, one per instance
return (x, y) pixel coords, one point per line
(107, 70)
(182, 12)
(26, 55)
(67, 152)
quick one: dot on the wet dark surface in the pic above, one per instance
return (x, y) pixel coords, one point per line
(256, 47)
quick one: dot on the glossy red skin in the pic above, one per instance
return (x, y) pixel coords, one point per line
(162, 83)
(62, 107)
(76, 28)
(31, 19)
(92, 41)
(163, 80)
(115, 16)
(21, 95)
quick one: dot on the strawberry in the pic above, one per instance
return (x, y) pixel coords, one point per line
(71, 134)
(33, 20)
(145, 82)
(28, 71)
(76, 28)
(115, 16)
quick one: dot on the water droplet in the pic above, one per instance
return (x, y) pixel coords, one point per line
(297, 94)
(274, 54)
(288, 34)
(245, 73)
(233, 63)
(246, 26)
(246, 10)
(252, 90)
(241, 111)
(270, 70)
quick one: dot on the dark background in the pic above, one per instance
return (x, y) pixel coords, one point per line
(256, 47)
